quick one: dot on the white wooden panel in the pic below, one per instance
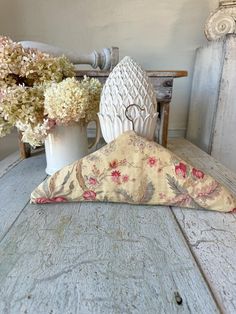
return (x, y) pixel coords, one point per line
(99, 258)
(205, 93)
(211, 235)
(224, 140)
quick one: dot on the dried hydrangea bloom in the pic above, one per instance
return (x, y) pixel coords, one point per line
(11, 57)
(41, 67)
(24, 74)
(23, 104)
(5, 127)
(72, 100)
(4, 40)
(31, 66)
(34, 135)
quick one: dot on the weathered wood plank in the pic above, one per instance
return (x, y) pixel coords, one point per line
(163, 88)
(24, 148)
(211, 235)
(99, 258)
(163, 132)
(224, 139)
(204, 94)
(9, 162)
(168, 73)
(212, 114)
(15, 188)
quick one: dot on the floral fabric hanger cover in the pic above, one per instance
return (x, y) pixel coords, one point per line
(134, 170)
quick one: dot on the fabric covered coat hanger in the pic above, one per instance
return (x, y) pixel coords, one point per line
(134, 170)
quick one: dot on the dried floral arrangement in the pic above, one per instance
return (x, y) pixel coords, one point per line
(71, 100)
(38, 91)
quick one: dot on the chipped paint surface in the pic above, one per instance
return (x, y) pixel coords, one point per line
(99, 258)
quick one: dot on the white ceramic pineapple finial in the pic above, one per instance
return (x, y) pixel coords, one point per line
(128, 84)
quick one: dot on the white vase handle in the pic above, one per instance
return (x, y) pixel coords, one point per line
(98, 133)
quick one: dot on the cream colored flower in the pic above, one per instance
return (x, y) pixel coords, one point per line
(24, 74)
(34, 135)
(5, 127)
(24, 104)
(72, 100)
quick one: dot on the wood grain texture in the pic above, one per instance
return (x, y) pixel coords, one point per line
(168, 73)
(224, 139)
(15, 188)
(163, 133)
(163, 88)
(9, 162)
(24, 148)
(204, 94)
(212, 114)
(99, 258)
(211, 235)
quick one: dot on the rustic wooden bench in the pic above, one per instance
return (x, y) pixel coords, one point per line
(163, 85)
(113, 258)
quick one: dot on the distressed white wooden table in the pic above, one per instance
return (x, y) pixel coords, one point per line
(113, 258)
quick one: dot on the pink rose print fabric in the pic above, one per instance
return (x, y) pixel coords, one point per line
(181, 169)
(134, 170)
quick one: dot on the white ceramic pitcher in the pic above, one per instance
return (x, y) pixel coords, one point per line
(66, 144)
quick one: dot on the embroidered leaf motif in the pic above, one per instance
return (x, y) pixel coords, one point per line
(141, 187)
(45, 188)
(66, 178)
(209, 191)
(59, 191)
(127, 197)
(175, 186)
(186, 201)
(79, 176)
(52, 182)
(71, 186)
(148, 193)
(182, 197)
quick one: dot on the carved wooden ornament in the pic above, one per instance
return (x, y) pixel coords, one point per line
(221, 21)
(105, 60)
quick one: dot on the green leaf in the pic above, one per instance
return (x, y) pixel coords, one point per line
(175, 186)
(126, 196)
(71, 186)
(148, 194)
(66, 178)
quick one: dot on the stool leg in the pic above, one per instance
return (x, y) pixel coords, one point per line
(164, 112)
(24, 149)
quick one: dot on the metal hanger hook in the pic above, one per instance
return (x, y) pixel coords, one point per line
(127, 116)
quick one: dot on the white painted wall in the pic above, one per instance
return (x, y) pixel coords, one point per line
(160, 35)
